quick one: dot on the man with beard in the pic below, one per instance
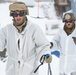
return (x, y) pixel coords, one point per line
(25, 42)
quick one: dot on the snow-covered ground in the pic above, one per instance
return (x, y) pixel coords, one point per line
(43, 20)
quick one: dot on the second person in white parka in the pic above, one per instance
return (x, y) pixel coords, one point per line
(65, 41)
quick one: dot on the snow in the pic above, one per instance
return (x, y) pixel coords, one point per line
(2, 68)
(42, 19)
(4, 15)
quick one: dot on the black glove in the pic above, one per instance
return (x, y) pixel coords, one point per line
(3, 53)
(51, 44)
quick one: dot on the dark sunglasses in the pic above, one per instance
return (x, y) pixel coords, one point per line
(69, 21)
(15, 14)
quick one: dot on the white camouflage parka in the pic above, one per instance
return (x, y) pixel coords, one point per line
(23, 48)
(67, 47)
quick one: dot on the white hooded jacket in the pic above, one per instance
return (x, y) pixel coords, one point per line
(23, 60)
(67, 47)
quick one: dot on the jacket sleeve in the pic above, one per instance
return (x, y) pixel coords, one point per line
(42, 44)
(56, 41)
(2, 39)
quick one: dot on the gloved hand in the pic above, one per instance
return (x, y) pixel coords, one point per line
(51, 44)
(48, 58)
(3, 53)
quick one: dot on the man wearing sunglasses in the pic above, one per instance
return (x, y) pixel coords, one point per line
(65, 41)
(25, 42)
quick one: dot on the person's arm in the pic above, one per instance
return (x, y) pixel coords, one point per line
(42, 44)
(2, 39)
(55, 43)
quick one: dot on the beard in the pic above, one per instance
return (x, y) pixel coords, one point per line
(19, 23)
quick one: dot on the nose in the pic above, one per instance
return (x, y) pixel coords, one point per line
(18, 16)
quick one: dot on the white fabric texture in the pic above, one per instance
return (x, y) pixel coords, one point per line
(33, 45)
(67, 49)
